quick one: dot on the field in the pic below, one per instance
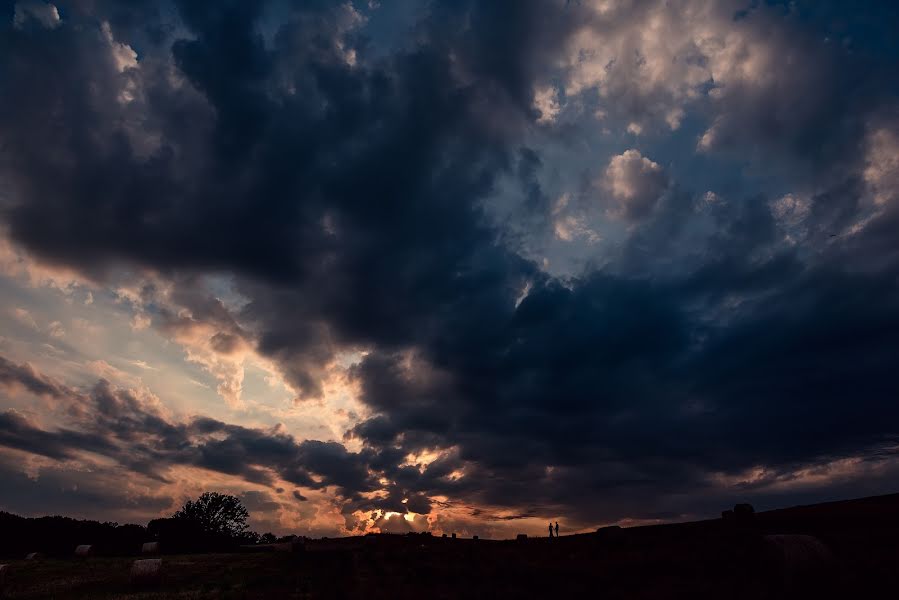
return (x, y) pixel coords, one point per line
(188, 577)
(708, 559)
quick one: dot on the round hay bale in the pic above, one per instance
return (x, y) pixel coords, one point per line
(800, 551)
(4, 573)
(146, 572)
(800, 560)
(521, 537)
(150, 548)
(34, 556)
(84, 550)
(611, 534)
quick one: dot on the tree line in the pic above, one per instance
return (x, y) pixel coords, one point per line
(212, 523)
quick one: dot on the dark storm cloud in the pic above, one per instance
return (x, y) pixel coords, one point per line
(16, 432)
(259, 501)
(346, 192)
(28, 377)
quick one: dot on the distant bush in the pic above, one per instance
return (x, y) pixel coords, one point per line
(268, 538)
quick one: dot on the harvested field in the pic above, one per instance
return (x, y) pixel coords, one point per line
(706, 559)
(191, 577)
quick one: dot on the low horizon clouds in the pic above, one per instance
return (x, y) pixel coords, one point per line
(461, 266)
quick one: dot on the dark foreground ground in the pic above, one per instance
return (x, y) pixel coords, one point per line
(708, 559)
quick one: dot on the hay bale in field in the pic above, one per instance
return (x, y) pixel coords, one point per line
(521, 537)
(84, 550)
(146, 572)
(150, 548)
(34, 556)
(610, 534)
(4, 572)
(800, 551)
(609, 530)
(800, 560)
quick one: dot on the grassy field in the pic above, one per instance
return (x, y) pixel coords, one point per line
(193, 577)
(396, 567)
(707, 559)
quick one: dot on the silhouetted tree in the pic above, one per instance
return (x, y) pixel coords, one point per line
(176, 536)
(248, 537)
(215, 513)
(268, 538)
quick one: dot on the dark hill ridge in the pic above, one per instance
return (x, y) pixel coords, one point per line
(873, 512)
(878, 510)
(844, 549)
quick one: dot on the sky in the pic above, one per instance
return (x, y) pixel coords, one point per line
(448, 266)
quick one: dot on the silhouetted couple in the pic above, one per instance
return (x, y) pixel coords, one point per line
(551, 529)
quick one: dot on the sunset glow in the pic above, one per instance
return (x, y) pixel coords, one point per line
(458, 267)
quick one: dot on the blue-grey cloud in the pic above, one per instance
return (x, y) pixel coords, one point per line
(345, 189)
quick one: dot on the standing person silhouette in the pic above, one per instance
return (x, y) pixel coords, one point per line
(557, 529)
(550, 530)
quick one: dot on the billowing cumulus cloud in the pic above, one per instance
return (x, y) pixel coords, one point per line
(43, 13)
(635, 182)
(305, 193)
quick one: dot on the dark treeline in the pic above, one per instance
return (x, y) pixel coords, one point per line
(212, 523)
(58, 536)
